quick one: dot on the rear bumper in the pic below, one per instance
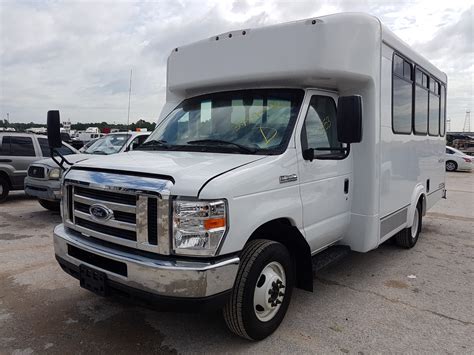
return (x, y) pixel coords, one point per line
(43, 189)
(161, 277)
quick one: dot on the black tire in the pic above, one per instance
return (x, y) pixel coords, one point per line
(4, 189)
(407, 238)
(50, 205)
(240, 312)
(451, 165)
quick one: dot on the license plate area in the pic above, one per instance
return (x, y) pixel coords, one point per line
(93, 280)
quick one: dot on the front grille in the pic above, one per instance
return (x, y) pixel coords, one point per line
(106, 196)
(127, 219)
(36, 172)
(112, 231)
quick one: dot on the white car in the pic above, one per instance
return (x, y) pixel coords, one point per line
(43, 180)
(457, 160)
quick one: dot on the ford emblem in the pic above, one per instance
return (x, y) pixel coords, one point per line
(101, 212)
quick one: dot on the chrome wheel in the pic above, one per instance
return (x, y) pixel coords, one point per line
(416, 222)
(269, 291)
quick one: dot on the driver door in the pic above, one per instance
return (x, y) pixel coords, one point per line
(326, 181)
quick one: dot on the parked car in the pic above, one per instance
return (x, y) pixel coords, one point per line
(457, 160)
(17, 152)
(43, 180)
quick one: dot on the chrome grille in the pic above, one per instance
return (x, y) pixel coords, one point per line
(132, 217)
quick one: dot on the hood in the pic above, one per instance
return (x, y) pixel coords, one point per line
(190, 170)
(72, 158)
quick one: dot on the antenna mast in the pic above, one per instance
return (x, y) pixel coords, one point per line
(129, 94)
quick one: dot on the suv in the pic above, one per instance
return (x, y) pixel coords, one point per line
(43, 180)
(17, 152)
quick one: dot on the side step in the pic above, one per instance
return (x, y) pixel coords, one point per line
(330, 256)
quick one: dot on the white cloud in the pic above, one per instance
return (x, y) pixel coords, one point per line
(77, 56)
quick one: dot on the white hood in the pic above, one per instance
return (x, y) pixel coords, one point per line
(189, 170)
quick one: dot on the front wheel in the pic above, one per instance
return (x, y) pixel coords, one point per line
(262, 290)
(50, 205)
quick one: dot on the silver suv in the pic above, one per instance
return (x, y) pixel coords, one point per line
(17, 152)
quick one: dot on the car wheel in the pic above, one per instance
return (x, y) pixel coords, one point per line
(451, 165)
(408, 237)
(4, 189)
(50, 205)
(262, 290)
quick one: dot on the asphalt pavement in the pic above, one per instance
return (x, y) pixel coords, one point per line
(387, 300)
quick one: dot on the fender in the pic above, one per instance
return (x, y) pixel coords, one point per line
(418, 192)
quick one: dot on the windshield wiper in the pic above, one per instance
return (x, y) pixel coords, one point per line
(153, 144)
(222, 142)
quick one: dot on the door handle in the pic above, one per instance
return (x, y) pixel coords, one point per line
(5, 160)
(346, 186)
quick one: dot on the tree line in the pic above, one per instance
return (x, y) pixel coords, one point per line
(21, 127)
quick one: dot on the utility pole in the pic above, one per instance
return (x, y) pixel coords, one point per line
(467, 122)
(129, 95)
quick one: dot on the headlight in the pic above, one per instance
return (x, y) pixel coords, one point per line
(198, 226)
(54, 174)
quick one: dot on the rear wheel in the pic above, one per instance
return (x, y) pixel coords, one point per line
(4, 189)
(262, 290)
(451, 165)
(50, 205)
(408, 237)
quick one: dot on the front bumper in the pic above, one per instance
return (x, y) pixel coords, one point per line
(43, 189)
(166, 277)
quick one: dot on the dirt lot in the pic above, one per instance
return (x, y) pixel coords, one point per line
(420, 300)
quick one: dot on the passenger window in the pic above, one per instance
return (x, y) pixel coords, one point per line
(320, 130)
(442, 118)
(22, 146)
(420, 122)
(402, 95)
(433, 127)
(5, 146)
(449, 151)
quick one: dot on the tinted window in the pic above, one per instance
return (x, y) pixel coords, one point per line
(398, 65)
(442, 119)
(22, 146)
(421, 110)
(5, 146)
(433, 127)
(320, 130)
(402, 105)
(449, 151)
(43, 142)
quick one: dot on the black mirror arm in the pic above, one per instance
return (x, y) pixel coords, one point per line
(346, 151)
(62, 161)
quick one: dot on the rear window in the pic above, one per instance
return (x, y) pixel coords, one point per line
(17, 146)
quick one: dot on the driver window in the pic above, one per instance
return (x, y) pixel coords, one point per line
(320, 130)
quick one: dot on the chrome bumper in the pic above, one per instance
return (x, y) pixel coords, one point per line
(163, 277)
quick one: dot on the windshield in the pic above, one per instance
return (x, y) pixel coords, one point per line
(247, 121)
(109, 144)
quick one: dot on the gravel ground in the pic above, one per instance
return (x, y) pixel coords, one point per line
(387, 300)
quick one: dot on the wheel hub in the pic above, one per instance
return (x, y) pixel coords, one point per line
(269, 291)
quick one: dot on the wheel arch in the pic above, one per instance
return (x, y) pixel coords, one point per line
(282, 230)
(419, 194)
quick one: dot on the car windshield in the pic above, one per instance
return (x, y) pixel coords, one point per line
(109, 144)
(247, 121)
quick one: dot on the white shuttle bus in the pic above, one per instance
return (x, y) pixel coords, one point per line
(275, 144)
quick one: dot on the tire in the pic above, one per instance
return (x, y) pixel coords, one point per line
(408, 237)
(4, 189)
(451, 165)
(50, 205)
(261, 265)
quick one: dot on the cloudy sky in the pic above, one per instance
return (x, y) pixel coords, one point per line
(77, 55)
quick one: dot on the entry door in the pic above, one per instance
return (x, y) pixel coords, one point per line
(326, 181)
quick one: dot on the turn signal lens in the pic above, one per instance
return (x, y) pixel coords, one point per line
(467, 160)
(214, 223)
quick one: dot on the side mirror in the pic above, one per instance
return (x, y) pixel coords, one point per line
(54, 131)
(349, 119)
